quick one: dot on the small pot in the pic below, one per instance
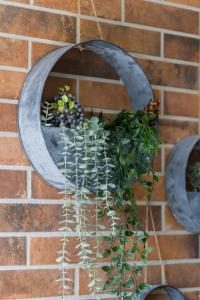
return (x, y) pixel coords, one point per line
(171, 291)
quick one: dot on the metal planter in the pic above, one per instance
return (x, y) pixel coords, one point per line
(134, 79)
(184, 205)
(171, 291)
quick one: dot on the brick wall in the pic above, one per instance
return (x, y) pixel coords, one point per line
(164, 38)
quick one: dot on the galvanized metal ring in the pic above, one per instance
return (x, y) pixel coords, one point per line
(171, 291)
(134, 79)
(184, 205)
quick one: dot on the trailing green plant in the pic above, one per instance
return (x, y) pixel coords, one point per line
(105, 159)
(133, 146)
(193, 173)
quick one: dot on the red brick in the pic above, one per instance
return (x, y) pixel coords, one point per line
(181, 76)
(11, 152)
(184, 247)
(160, 15)
(29, 218)
(158, 193)
(131, 39)
(39, 50)
(8, 117)
(181, 104)
(76, 62)
(44, 250)
(103, 8)
(38, 24)
(15, 80)
(104, 95)
(183, 275)
(41, 189)
(66, 5)
(12, 251)
(29, 283)
(170, 221)
(156, 212)
(158, 162)
(191, 295)
(183, 48)
(13, 52)
(12, 184)
(171, 131)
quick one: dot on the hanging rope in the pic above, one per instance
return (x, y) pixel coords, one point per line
(95, 15)
(158, 246)
(98, 24)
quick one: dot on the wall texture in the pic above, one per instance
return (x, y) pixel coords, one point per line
(164, 38)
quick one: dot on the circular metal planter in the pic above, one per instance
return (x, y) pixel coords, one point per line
(184, 205)
(134, 79)
(171, 291)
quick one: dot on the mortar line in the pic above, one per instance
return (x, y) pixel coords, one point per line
(178, 5)
(76, 282)
(58, 234)
(122, 11)
(29, 178)
(9, 101)
(16, 168)
(78, 266)
(29, 55)
(163, 217)
(34, 39)
(162, 46)
(60, 201)
(8, 134)
(14, 69)
(27, 250)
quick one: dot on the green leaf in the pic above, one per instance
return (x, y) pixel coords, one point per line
(71, 104)
(65, 98)
(117, 249)
(128, 284)
(147, 250)
(111, 213)
(106, 253)
(106, 269)
(108, 239)
(67, 87)
(106, 285)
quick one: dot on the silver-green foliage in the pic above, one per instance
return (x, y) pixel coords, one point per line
(46, 114)
(87, 164)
